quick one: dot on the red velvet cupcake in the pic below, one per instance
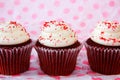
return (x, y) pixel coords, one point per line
(57, 48)
(15, 48)
(103, 48)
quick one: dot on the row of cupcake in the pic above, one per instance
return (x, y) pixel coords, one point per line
(58, 48)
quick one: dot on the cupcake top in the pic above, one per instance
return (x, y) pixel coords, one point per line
(107, 33)
(57, 34)
(12, 33)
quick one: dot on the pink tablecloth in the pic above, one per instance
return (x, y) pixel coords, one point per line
(82, 15)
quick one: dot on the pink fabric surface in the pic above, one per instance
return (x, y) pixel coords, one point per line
(81, 15)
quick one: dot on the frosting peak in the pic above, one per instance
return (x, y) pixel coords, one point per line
(107, 33)
(57, 34)
(12, 33)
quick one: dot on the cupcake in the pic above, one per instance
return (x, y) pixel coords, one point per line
(103, 48)
(57, 48)
(15, 48)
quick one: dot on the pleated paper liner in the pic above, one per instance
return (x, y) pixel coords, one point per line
(57, 62)
(103, 59)
(15, 60)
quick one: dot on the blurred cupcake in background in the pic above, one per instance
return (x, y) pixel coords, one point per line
(103, 48)
(57, 48)
(15, 48)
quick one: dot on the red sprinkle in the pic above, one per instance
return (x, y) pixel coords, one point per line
(114, 40)
(102, 32)
(41, 38)
(52, 22)
(12, 22)
(109, 25)
(112, 25)
(46, 24)
(103, 38)
(50, 36)
(65, 27)
(22, 29)
(15, 23)
(61, 23)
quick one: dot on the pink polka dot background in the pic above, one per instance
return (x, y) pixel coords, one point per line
(81, 15)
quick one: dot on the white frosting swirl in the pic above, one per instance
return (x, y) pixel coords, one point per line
(57, 34)
(12, 33)
(107, 33)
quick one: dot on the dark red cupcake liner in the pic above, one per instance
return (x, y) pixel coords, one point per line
(57, 62)
(103, 60)
(15, 60)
